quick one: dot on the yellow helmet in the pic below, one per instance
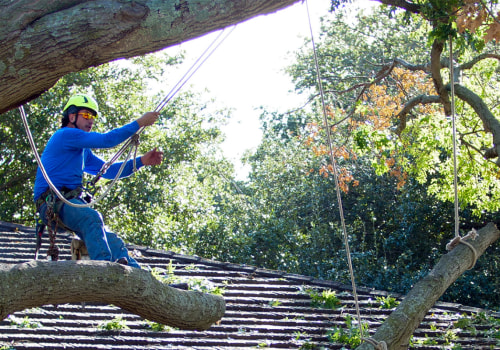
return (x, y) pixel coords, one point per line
(82, 101)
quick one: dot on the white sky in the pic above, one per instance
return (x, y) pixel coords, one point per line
(245, 72)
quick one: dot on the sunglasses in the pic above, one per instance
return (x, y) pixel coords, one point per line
(87, 115)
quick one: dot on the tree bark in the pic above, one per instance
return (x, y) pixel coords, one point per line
(400, 325)
(38, 283)
(42, 41)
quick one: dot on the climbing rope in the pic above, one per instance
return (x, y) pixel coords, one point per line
(132, 142)
(134, 139)
(336, 175)
(472, 234)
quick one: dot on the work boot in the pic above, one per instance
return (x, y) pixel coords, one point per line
(122, 261)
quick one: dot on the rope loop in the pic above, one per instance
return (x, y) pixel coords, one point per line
(457, 240)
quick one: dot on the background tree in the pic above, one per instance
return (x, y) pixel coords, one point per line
(388, 101)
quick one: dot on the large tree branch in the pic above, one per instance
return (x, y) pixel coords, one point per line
(38, 283)
(439, 85)
(400, 325)
(490, 122)
(407, 108)
(44, 40)
(478, 58)
(408, 6)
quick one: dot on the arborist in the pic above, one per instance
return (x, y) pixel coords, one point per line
(66, 156)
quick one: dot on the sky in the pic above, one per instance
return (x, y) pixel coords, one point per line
(246, 71)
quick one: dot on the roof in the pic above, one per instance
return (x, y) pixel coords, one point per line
(264, 309)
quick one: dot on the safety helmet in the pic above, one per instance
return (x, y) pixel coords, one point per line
(82, 101)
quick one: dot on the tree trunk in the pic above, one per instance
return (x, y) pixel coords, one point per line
(400, 325)
(42, 41)
(38, 283)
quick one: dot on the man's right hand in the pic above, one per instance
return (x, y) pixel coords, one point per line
(149, 118)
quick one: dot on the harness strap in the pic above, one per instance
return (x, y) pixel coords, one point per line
(54, 205)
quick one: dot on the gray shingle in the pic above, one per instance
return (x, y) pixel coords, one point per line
(264, 309)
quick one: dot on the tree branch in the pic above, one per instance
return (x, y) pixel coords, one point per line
(400, 325)
(408, 6)
(38, 283)
(471, 63)
(44, 40)
(436, 51)
(422, 99)
(490, 122)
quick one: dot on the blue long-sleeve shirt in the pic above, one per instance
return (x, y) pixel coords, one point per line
(68, 154)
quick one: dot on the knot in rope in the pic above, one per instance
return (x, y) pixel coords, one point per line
(457, 240)
(382, 345)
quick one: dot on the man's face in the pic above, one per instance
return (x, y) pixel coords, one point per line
(84, 121)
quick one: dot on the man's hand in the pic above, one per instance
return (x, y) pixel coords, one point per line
(149, 118)
(152, 157)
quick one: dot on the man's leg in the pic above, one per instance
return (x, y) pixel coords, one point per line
(119, 250)
(87, 223)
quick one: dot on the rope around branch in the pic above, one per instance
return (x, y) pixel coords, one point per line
(457, 240)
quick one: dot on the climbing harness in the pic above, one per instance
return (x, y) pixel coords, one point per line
(472, 234)
(53, 205)
(54, 199)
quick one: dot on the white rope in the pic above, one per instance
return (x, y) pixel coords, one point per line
(336, 176)
(219, 39)
(454, 131)
(473, 234)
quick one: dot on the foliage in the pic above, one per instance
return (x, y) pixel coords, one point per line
(348, 335)
(25, 322)
(387, 302)
(116, 324)
(326, 299)
(157, 327)
(371, 82)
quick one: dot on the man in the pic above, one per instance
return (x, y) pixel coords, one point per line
(67, 155)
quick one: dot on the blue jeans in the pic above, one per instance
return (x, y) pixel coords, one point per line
(87, 224)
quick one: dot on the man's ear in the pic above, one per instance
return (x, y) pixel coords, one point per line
(72, 118)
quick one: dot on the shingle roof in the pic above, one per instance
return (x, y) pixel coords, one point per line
(264, 309)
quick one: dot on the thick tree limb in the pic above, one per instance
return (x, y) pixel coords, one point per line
(436, 51)
(38, 283)
(418, 100)
(42, 41)
(408, 6)
(401, 324)
(490, 122)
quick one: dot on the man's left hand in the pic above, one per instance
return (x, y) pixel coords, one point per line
(153, 157)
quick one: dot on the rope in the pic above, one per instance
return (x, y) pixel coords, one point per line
(194, 68)
(472, 234)
(219, 39)
(454, 131)
(336, 175)
(457, 240)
